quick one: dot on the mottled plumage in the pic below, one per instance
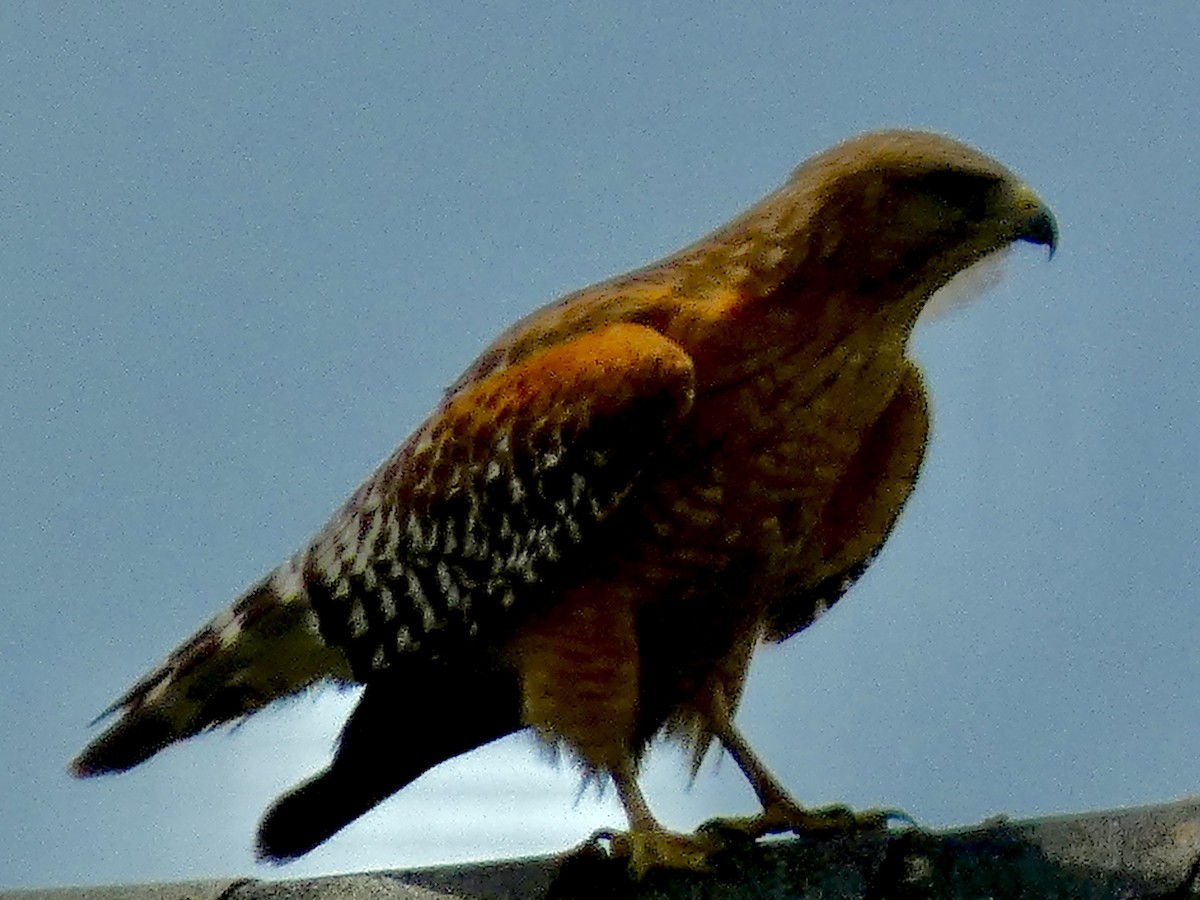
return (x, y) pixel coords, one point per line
(626, 493)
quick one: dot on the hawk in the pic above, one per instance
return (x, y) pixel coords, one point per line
(616, 503)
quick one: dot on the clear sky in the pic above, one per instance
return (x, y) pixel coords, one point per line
(244, 247)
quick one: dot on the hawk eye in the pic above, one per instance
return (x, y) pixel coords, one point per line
(963, 191)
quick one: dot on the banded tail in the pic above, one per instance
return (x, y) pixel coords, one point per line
(265, 646)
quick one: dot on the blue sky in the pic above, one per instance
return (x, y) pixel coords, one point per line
(244, 248)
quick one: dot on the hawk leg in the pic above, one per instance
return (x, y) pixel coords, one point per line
(579, 667)
(647, 845)
(780, 812)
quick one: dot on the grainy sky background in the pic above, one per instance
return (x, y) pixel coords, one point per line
(244, 247)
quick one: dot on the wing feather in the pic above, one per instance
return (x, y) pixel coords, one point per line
(489, 505)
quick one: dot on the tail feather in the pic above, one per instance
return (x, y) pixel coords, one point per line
(403, 726)
(263, 647)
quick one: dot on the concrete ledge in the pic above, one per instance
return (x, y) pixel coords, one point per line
(1143, 852)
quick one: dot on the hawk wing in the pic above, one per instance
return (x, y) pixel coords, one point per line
(498, 497)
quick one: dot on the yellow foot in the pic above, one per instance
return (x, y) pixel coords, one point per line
(648, 849)
(784, 815)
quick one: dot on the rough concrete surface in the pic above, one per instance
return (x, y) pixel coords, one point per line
(1144, 852)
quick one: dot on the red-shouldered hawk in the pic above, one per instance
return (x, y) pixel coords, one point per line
(610, 509)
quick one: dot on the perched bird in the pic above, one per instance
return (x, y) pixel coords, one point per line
(625, 494)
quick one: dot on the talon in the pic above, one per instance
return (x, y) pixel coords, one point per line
(878, 819)
(898, 816)
(784, 816)
(654, 849)
(603, 841)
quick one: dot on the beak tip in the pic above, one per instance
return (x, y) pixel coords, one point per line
(1041, 228)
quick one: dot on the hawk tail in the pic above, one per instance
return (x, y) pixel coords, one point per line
(405, 723)
(263, 647)
(312, 812)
